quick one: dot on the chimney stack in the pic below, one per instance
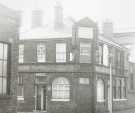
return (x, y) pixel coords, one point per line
(108, 29)
(37, 18)
(58, 16)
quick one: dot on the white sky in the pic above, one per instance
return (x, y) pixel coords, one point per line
(118, 11)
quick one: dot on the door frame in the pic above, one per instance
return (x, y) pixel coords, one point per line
(42, 87)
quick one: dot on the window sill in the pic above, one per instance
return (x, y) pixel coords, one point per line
(120, 99)
(64, 100)
(20, 98)
(39, 111)
(100, 101)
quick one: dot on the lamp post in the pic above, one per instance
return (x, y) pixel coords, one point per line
(110, 85)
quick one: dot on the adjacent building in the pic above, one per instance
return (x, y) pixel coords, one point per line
(9, 23)
(127, 39)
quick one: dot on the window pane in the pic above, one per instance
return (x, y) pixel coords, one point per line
(1, 51)
(41, 53)
(61, 52)
(105, 55)
(5, 68)
(100, 90)
(21, 53)
(4, 85)
(5, 51)
(71, 57)
(1, 67)
(85, 32)
(0, 85)
(20, 90)
(60, 89)
(85, 52)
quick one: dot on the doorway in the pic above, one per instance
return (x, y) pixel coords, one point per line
(41, 97)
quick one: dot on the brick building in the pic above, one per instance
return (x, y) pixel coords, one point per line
(127, 39)
(69, 72)
(9, 23)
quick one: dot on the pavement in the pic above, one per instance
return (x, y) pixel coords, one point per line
(132, 110)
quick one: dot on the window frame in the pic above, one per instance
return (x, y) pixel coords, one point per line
(62, 54)
(41, 53)
(4, 75)
(85, 52)
(21, 53)
(101, 99)
(60, 90)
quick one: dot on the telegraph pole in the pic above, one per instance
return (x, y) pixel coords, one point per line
(93, 53)
(110, 87)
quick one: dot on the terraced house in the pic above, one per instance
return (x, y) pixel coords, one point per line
(69, 70)
(9, 24)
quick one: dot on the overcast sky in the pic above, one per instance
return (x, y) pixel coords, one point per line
(121, 12)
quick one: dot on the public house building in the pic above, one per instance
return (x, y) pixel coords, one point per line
(69, 72)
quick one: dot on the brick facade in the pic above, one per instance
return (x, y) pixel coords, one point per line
(80, 94)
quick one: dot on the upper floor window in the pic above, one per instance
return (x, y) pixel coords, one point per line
(99, 54)
(71, 57)
(126, 59)
(131, 81)
(41, 53)
(61, 89)
(105, 55)
(85, 32)
(60, 52)
(21, 53)
(85, 52)
(3, 67)
(112, 55)
(118, 58)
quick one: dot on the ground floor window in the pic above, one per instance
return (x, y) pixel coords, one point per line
(114, 89)
(20, 88)
(3, 68)
(119, 88)
(61, 89)
(100, 90)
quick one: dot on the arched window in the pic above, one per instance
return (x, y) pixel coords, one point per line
(100, 90)
(60, 89)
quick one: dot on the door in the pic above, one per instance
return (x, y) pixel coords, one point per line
(41, 97)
